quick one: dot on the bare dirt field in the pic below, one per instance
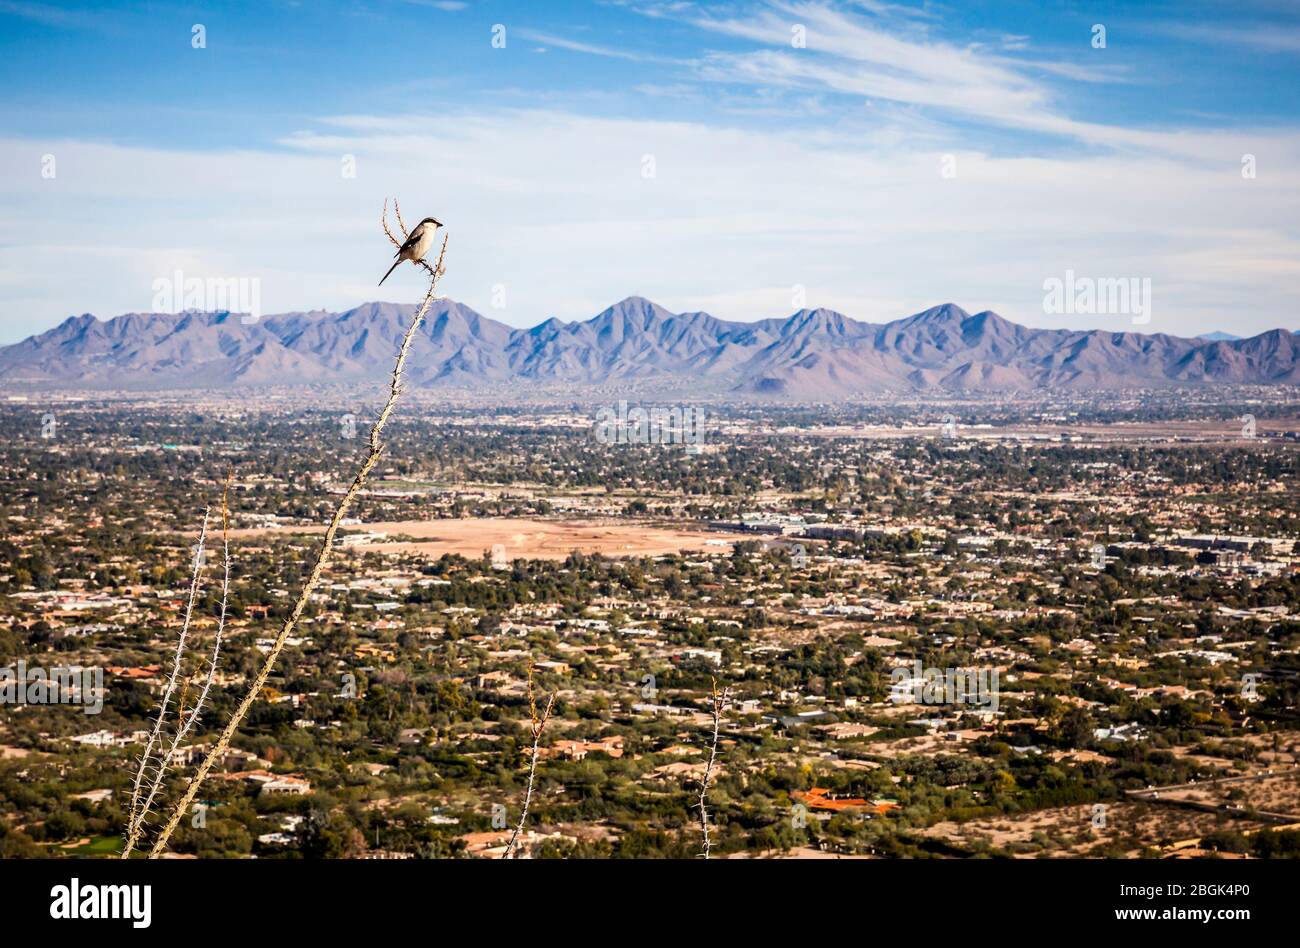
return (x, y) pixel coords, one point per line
(799, 852)
(1276, 791)
(527, 539)
(1069, 831)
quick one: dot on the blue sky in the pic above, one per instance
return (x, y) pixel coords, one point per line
(902, 156)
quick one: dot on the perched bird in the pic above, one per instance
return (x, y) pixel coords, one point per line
(417, 245)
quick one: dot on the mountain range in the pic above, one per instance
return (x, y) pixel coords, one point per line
(812, 354)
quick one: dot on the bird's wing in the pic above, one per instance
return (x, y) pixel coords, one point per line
(414, 238)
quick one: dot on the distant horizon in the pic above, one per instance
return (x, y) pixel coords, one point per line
(1121, 325)
(812, 353)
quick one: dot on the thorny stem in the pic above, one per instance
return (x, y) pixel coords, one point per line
(719, 701)
(135, 820)
(322, 558)
(539, 725)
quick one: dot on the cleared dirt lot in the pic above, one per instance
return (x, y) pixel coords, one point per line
(1277, 792)
(1069, 831)
(529, 539)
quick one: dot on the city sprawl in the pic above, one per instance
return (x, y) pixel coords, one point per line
(1065, 625)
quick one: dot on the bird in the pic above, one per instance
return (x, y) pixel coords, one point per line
(417, 245)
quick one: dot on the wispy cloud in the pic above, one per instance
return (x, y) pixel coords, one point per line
(594, 49)
(448, 6)
(853, 55)
(1272, 38)
(1106, 72)
(892, 61)
(731, 216)
(62, 17)
(40, 13)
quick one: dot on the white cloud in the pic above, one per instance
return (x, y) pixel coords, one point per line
(448, 6)
(880, 58)
(1271, 38)
(856, 55)
(594, 49)
(554, 207)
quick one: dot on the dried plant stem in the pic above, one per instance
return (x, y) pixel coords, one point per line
(538, 725)
(313, 578)
(165, 760)
(719, 701)
(137, 812)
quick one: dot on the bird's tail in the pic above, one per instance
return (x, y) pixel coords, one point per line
(390, 270)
